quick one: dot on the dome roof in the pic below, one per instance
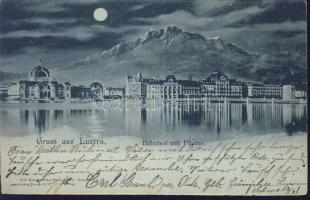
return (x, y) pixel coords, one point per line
(96, 86)
(67, 83)
(217, 75)
(170, 77)
(39, 72)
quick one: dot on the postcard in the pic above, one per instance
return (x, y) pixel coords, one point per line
(153, 97)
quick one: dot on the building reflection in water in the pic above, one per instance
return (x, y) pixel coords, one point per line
(41, 119)
(24, 116)
(173, 119)
(58, 115)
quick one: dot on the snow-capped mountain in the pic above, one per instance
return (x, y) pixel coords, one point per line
(172, 50)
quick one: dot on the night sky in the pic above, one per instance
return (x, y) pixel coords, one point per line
(62, 31)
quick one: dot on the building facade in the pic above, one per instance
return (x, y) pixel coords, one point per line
(171, 89)
(3, 92)
(190, 88)
(255, 90)
(221, 81)
(236, 89)
(81, 92)
(135, 86)
(219, 85)
(288, 92)
(260, 90)
(300, 94)
(13, 90)
(154, 89)
(112, 92)
(41, 85)
(272, 91)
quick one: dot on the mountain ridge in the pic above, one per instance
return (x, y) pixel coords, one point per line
(172, 50)
(165, 37)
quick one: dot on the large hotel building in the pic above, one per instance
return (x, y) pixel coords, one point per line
(217, 85)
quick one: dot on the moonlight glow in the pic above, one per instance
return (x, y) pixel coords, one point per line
(100, 14)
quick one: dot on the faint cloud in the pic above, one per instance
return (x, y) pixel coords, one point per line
(202, 7)
(138, 7)
(82, 33)
(48, 21)
(283, 26)
(238, 15)
(194, 22)
(46, 6)
(179, 18)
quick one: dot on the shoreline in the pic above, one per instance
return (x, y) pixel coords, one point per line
(180, 100)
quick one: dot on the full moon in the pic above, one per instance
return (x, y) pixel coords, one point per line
(100, 14)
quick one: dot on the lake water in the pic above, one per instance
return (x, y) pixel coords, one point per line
(209, 121)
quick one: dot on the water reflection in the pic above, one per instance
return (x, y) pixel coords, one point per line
(214, 120)
(58, 115)
(41, 119)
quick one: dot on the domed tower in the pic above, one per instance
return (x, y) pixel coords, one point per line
(39, 73)
(217, 76)
(170, 79)
(96, 88)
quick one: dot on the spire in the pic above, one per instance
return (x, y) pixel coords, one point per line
(40, 63)
(139, 76)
